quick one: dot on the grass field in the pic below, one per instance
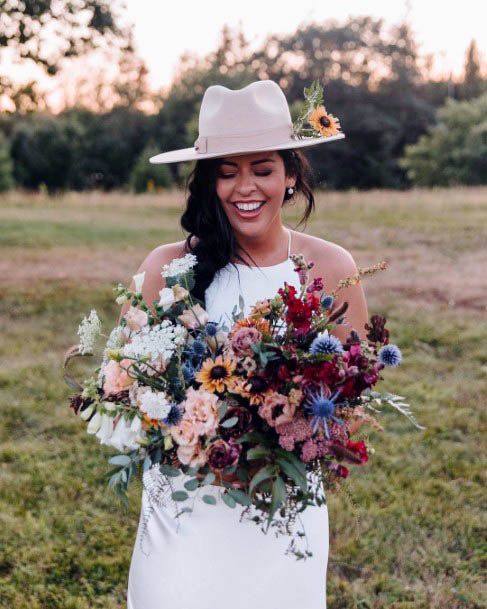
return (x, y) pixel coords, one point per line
(409, 532)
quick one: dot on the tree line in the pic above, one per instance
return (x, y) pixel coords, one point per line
(402, 126)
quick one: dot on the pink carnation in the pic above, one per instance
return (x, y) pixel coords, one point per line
(116, 378)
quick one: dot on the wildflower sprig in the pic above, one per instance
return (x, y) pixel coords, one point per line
(322, 123)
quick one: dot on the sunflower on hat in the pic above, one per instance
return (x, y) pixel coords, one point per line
(315, 114)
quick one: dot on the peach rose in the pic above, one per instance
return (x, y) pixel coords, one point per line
(201, 408)
(116, 378)
(193, 455)
(194, 317)
(136, 319)
(277, 409)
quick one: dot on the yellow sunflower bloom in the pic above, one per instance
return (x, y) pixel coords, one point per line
(216, 375)
(326, 124)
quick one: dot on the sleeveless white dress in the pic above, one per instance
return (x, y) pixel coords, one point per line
(208, 558)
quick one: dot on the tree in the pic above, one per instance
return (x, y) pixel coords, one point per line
(48, 32)
(473, 84)
(455, 149)
(6, 179)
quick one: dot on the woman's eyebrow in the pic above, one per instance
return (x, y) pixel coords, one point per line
(252, 163)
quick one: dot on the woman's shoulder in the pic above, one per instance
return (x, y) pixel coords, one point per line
(328, 255)
(163, 254)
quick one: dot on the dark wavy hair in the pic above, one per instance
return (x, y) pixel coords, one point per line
(205, 218)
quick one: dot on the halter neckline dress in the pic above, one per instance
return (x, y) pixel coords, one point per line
(210, 558)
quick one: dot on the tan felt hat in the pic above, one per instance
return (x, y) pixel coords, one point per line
(252, 119)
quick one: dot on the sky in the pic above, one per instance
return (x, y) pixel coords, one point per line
(162, 35)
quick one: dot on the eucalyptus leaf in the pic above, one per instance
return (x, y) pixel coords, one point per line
(120, 460)
(209, 499)
(192, 484)
(240, 496)
(229, 500)
(168, 470)
(179, 495)
(230, 422)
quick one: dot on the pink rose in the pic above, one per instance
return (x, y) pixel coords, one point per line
(136, 319)
(116, 378)
(243, 338)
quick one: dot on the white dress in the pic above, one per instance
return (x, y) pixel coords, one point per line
(208, 558)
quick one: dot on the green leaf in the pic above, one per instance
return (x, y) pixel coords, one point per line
(239, 496)
(179, 495)
(258, 452)
(209, 499)
(229, 500)
(278, 497)
(192, 484)
(253, 436)
(230, 422)
(120, 460)
(209, 478)
(264, 473)
(222, 410)
(291, 470)
(169, 470)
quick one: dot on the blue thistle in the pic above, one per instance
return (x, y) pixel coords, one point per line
(188, 371)
(326, 343)
(211, 328)
(322, 409)
(198, 348)
(327, 301)
(390, 355)
(174, 416)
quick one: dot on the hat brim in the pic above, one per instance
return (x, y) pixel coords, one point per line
(191, 154)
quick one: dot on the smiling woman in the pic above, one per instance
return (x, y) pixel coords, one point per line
(249, 165)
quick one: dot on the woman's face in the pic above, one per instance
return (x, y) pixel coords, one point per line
(251, 189)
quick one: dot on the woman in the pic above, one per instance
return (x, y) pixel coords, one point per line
(249, 165)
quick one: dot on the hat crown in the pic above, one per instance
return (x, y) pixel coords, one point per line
(257, 107)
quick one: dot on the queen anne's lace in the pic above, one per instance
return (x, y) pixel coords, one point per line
(179, 266)
(88, 331)
(155, 342)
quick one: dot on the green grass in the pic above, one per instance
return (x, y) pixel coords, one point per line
(407, 532)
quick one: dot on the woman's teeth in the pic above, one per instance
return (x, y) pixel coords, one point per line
(249, 206)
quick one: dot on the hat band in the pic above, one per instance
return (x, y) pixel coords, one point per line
(242, 142)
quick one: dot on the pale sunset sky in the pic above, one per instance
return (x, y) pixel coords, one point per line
(163, 32)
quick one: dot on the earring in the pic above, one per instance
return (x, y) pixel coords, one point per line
(290, 190)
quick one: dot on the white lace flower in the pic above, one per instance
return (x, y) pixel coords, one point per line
(139, 281)
(154, 342)
(155, 404)
(179, 266)
(88, 331)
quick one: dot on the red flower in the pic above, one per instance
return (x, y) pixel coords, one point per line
(342, 471)
(298, 311)
(359, 449)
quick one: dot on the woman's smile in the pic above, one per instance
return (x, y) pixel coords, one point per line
(248, 209)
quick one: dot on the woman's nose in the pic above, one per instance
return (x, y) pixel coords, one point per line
(245, 184)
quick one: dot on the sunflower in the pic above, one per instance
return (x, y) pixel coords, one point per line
(216, 375)
(326, 124)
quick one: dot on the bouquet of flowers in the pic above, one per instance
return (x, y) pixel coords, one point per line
(267, 401)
